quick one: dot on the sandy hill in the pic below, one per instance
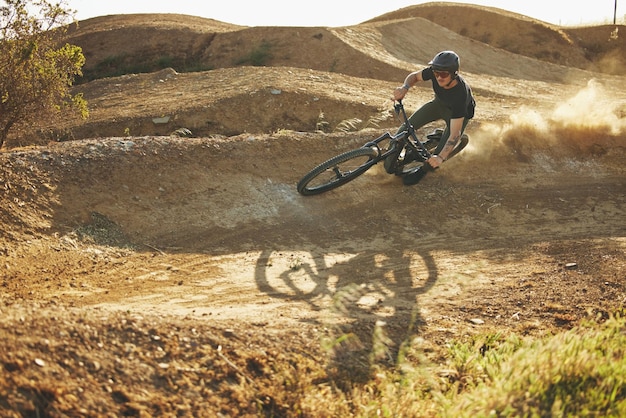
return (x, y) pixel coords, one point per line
(309, 65)
(157, 259)
(596, 48)
(188, 42)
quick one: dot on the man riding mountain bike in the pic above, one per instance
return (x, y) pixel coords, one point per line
(453, 103)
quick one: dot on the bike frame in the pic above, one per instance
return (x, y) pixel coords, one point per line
(411, 135)
(333, 173)
(407, 137)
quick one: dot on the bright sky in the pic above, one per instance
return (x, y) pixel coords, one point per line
(333, 13)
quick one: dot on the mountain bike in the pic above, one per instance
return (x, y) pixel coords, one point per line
(403, 155)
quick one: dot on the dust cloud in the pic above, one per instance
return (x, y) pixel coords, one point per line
(592, 106)
(590, 122)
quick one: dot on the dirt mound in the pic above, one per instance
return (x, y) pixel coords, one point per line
(311, 78)
(159, 40)
(589, 48)
(603, 46)
(147, 274)
(204, 44)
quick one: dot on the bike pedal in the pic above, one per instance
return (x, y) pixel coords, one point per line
(436, 134)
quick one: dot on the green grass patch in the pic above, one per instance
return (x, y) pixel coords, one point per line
(577, 373)
(580, 372)
(258, 57)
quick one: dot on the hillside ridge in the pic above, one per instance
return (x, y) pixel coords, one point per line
(371, 53)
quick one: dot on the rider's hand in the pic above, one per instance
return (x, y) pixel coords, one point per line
(435, 161)
(399, 93)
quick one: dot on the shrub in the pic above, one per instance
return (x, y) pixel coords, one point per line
(36, 72)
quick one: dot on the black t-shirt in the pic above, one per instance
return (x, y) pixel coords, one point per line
(459, 98)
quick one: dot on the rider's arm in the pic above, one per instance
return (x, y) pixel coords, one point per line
(412, 79)
(409, 81)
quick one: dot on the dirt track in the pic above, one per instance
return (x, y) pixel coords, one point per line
(164, 238)
(179, 234)
(219, 230)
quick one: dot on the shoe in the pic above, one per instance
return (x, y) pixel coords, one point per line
(414, 177)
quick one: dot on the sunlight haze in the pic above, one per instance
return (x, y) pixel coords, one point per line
(332, 13)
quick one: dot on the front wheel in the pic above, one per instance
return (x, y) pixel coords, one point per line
(337, 171)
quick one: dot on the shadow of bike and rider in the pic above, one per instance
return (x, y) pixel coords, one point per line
(368, 300)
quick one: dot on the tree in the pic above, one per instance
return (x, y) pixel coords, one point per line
(36, 69)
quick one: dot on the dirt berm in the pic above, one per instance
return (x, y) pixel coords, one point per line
(152, 274)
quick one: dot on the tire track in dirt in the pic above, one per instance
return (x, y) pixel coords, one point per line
(229, 238)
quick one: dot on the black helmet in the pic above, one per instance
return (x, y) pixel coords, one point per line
(446, 61)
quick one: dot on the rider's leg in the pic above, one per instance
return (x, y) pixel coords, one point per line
(429, 112)
(445, 114)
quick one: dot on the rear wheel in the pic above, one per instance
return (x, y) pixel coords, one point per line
(337, 171)
(410, 167)
(462, 144)
(407, 160)
(407, 165)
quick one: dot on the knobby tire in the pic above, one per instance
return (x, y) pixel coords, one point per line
(330, 175)
(400, 168)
